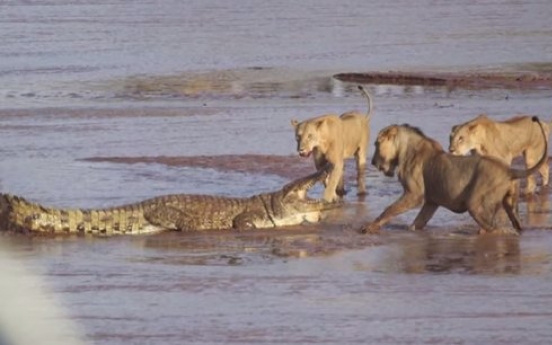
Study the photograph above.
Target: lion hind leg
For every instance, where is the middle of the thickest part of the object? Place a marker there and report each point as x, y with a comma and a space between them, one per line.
513, 196
531, 186
544, 171
425, 214
360, 158
509, 208
483, 217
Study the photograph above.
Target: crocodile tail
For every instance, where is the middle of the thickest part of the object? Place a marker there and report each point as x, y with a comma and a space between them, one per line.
21, 214
518, 173
18, 214
369, 99
5, 211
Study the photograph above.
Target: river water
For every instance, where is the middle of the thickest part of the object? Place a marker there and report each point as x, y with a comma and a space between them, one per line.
109, 102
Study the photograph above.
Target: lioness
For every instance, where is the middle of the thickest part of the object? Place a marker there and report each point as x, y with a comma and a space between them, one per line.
478, 184
503, 140
332, 139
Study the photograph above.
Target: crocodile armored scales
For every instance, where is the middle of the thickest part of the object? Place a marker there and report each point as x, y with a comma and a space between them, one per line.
185, 212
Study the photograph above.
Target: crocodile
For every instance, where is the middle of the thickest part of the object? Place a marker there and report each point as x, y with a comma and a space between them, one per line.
289, 205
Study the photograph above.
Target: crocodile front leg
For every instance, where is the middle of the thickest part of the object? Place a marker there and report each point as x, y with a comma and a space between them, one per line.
173, 218
252, 220
170, 218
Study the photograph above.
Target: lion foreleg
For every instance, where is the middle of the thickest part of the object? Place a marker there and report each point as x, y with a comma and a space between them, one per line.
425, 214
319, 160
406, 202
335, 175
340, 189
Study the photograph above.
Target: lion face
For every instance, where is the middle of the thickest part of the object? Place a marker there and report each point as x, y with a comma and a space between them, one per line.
307, 135
463, 139
386, 154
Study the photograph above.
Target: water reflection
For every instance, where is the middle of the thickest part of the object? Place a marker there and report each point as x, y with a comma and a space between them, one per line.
485, 254
256, 83
538, 209
238, 83
239, 248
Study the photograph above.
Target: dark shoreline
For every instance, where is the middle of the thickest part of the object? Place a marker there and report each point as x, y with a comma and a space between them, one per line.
454, 80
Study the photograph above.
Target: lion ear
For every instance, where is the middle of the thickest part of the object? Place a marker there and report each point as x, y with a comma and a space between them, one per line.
294, 123
392, 132
472, 128
320, 123
454, 128
482, 116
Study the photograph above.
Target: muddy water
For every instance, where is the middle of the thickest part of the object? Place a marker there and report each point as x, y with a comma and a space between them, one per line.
106, 103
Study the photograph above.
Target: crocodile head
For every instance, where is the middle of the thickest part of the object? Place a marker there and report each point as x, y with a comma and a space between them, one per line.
291, 204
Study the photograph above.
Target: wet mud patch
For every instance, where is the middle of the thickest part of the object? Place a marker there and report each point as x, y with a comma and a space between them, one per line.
285, 166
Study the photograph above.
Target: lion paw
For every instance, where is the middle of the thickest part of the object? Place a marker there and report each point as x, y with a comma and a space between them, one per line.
370, 228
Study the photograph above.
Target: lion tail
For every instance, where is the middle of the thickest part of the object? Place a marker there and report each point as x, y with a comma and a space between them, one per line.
369, 99
518, 173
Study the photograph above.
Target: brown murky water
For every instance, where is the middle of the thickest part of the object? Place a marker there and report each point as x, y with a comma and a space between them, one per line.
107, 102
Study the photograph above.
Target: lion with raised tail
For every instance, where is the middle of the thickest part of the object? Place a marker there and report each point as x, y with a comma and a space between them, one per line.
479, 185
504, 140
331, 139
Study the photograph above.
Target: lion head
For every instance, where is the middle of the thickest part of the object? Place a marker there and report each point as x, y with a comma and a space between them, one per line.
308, 135
385, 157
467, 137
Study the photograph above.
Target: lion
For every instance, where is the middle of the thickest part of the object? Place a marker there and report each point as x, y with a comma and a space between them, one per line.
504, 140
331, 139
480, 185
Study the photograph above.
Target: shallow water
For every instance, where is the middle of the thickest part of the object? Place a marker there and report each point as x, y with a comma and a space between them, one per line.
153, 82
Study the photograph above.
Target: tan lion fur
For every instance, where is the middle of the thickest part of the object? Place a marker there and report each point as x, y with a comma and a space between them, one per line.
504, 140
480, 185
332, 139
